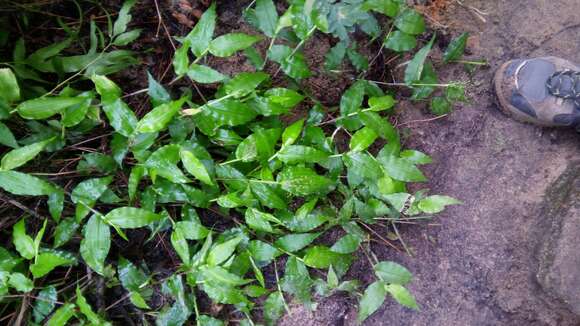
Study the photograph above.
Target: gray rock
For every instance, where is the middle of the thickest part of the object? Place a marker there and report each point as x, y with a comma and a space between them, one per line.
559, 269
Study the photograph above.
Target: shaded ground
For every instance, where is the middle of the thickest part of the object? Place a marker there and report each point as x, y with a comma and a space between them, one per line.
478, 266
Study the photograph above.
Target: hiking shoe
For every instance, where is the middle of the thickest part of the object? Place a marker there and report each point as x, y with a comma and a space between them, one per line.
543, 91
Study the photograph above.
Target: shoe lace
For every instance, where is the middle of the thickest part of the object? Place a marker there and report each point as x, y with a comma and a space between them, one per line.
565, 84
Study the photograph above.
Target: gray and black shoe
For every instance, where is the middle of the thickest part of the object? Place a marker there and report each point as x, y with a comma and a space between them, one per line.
543, 91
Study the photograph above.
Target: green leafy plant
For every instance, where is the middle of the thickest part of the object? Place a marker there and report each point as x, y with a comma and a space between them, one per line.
236, 191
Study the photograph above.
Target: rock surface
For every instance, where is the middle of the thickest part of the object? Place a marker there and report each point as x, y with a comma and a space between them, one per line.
559, 270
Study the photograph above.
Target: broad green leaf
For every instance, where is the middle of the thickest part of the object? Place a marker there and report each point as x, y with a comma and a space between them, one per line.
351, 100
293, 154
347, 244
48, 260
92, 317
96, 244
268, 17
260, 221
44, 303
23, 243
23, 184
286, 97
181, 59
334, 57
273, 307
323, 257
7, 260
131, 277
244, 83
401, 169
456, 48
163, 162
220, 275
292, 133
262, 252
440, 105
227, 112
127, 37
45, 107
158, 118
359, 61
86, 194
362, 139
414, 69
380, 103
64, 231
228, 44
201, 34
372, 299
180, 245
9, 89
123, 18
6, 137
402, 296
258, 146
266, 194
131, 217
121, 117
108, 90
296, 280
455, 93
156, 91
296, 242
415, 157
221, 252
393, 273
386, 7
410, 21
20, 282
363, 165
205, 320
62, 315
302, 181
436, 204
195, 167
192, 230
428, 77
137, 172
204, 74
400, 42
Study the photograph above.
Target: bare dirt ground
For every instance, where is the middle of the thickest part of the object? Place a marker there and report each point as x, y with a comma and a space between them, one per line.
478, 265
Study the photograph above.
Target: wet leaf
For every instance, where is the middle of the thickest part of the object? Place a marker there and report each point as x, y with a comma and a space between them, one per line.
158, 118
386, 7
302, 181
456, 48
436, 203
62, 315
200, 36
45, 107
220, 252
296, 242
293, 154
414, 69
362, 139
244, 83
96, 243
180, 245
273, 307
373, 297
9, 89
48, 260
45, 303
156, 91
393, 273
6, 137
20, 282
410, 21
92, 317
402, 296
23, 243
323, 257
228, 44
292, 133
23, 184
204, 74
131, 217
400, 42
268, 17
